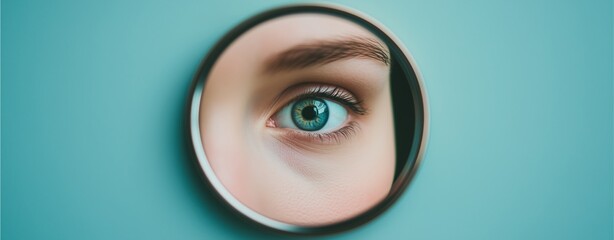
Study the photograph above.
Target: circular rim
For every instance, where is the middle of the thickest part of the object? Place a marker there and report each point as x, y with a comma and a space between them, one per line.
420, 137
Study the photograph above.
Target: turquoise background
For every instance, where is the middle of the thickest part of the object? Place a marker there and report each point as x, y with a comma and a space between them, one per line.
92, 108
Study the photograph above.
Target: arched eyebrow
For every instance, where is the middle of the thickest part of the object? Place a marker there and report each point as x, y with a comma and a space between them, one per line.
326, 51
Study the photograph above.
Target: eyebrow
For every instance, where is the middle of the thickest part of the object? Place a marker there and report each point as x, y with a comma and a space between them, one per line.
326, 51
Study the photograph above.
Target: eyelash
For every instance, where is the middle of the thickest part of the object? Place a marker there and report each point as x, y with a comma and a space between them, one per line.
341, 96
331, 137
335, 94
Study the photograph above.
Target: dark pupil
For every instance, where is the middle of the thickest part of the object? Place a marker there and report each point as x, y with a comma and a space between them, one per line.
309, 112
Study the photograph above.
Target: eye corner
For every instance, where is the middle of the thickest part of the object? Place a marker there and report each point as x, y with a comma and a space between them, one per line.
358, 108
271, 123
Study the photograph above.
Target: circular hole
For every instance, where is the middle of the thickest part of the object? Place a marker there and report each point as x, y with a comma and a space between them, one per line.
308, 119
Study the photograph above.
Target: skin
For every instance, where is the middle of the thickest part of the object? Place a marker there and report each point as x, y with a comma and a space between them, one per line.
273, 170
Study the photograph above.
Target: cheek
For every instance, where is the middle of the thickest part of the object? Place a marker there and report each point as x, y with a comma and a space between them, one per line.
314, 187
226, 155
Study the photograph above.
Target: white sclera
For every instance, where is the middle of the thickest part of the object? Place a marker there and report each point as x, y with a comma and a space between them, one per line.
337, 115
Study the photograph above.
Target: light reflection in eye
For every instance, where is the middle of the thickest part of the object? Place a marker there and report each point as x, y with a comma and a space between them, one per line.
312, 114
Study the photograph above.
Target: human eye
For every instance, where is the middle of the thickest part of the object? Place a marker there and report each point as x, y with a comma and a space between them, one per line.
319, 113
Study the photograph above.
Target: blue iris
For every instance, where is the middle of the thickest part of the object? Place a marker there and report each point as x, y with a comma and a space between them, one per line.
310, 114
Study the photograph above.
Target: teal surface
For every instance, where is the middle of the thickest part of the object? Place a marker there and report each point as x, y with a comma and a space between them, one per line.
92, 109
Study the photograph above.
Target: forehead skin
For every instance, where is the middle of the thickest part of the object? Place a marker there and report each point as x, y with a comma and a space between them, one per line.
258, 168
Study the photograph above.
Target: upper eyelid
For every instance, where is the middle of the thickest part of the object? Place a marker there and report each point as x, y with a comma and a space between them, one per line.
354, 106
332, 93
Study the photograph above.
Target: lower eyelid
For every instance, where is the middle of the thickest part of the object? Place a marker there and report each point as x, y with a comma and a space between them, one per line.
339, 136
